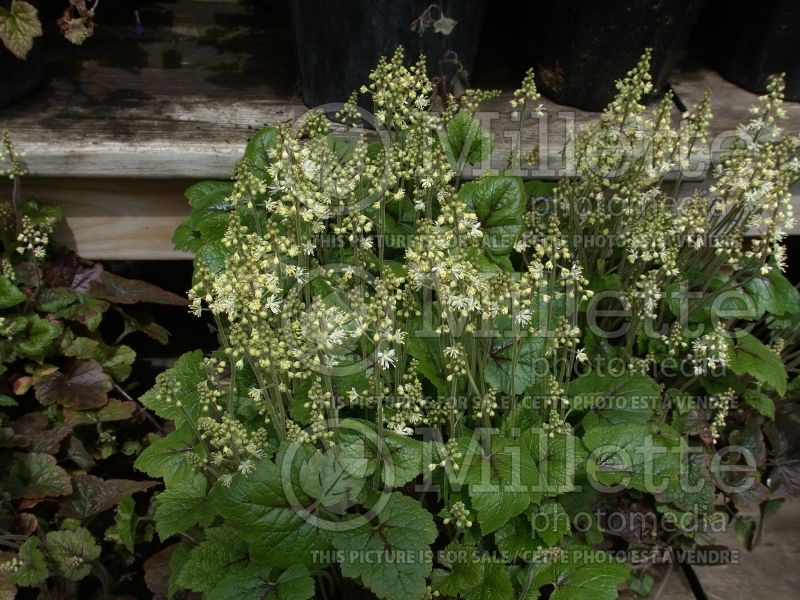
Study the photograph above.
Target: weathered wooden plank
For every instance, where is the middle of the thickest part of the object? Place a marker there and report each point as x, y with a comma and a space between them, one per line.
182, 101
157, 135
116, 218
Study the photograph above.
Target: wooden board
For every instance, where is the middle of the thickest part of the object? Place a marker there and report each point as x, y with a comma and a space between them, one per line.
116, 218
174, 131
182, 101
144, 117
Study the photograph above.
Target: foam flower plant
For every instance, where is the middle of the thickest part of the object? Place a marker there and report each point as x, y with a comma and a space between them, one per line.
68, 428
433, 387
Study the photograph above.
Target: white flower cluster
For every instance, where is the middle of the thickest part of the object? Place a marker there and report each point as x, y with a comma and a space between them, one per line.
322, 310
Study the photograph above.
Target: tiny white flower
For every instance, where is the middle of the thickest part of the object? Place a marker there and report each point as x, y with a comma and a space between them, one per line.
310, 168
400, 430
475, 229
523, 317
452, 352
398, 337
386, 359
273, 304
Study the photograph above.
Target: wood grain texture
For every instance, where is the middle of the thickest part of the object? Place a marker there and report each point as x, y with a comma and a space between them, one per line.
183, 101
130, 219
176, 132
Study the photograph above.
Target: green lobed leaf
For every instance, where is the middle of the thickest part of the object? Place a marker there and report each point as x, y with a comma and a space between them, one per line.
536, 190
10, 295
211, 256
326, 478
581, 574
72, 552
693, 489
86, 310
517, 542
500, 371
424, 345
550, 522
209, 561
258, 148
559, 458
186, 238
39, 335
463, 570
642, 586
627, 398
34, 565
182, 505
467, 142
118, 361
42, 212
167, 457
177, 557
496, 585
403, 529
257, 583
362, 451
502, 479
184, 377
281, 531
643, 457
210, 215
125, 521
209, 193
752, 357
499, 203
761, 402
774, 294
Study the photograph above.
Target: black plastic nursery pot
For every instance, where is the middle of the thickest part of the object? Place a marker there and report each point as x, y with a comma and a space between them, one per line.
580, 48
340, 42
18, 78
756, 40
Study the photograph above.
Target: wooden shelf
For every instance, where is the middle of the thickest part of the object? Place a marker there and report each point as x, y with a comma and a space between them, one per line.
122, 125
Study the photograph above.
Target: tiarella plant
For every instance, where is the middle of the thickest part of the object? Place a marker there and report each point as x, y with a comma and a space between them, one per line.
68, 429
432, 387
